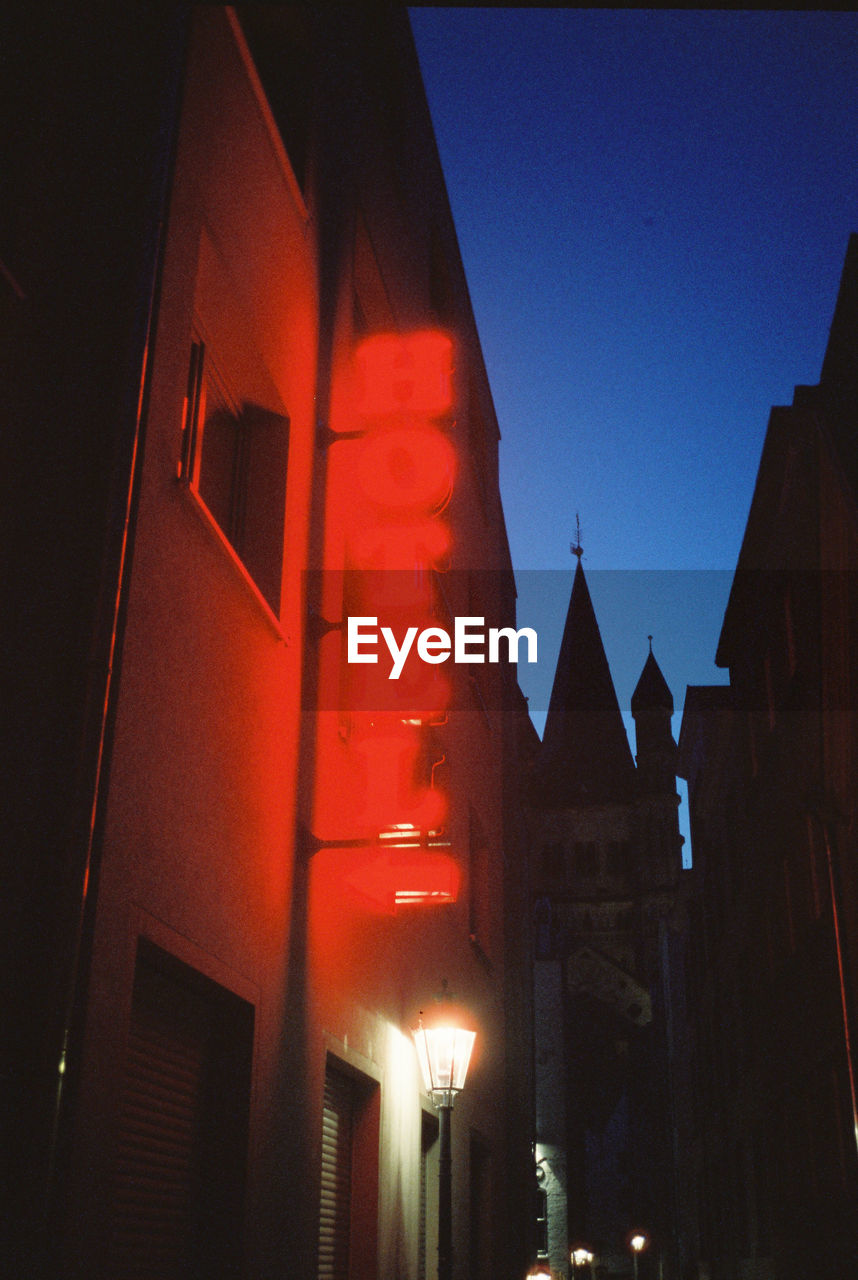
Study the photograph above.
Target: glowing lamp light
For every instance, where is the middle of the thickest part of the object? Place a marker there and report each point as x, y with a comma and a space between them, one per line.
443, 1053
444, 1050
638, 1241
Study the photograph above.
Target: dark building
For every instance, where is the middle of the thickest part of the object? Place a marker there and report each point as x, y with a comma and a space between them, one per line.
607, 864
220, 916
771, 766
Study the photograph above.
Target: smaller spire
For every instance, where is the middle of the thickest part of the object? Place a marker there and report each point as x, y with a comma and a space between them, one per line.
652, 688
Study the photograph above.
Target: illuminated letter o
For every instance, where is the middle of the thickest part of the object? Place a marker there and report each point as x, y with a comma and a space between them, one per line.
407, 469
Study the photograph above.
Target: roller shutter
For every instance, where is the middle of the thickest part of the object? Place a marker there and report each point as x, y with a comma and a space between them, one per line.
181, 1138
335, 1200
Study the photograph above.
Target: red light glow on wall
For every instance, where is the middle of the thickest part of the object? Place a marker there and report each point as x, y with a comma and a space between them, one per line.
380, 813
411, 374
384, 879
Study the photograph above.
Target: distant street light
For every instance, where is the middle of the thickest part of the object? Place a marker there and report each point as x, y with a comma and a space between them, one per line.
582, 1257
444, 1052
637, 1242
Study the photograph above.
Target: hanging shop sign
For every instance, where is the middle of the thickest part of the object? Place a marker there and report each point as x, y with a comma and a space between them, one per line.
381, 806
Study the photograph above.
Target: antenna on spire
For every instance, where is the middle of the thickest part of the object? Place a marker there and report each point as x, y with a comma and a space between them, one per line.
575, 547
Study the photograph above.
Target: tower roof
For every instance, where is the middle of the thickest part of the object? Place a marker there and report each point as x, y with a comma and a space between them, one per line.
651, 690
585, 756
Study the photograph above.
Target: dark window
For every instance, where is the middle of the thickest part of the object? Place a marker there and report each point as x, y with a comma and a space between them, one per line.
234, 456
542, 1223
181, 1144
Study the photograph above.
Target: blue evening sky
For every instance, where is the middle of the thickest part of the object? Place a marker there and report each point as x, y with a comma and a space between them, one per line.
653, 209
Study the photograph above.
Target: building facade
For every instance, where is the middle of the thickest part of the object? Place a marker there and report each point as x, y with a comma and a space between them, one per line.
607, 859
770, 763
237, 878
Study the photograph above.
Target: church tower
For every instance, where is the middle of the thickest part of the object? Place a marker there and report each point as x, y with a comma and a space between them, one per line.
652, 709
605, 864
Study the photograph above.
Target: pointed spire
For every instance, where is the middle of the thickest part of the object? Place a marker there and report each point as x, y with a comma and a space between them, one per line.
585, 756
652, 689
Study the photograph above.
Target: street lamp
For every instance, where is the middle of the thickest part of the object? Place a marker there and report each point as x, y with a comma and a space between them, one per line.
581, 1257
444, 1050
637, 1242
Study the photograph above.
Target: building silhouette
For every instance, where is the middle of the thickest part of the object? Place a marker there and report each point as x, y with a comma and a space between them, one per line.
607, 864
220, 920
771, 769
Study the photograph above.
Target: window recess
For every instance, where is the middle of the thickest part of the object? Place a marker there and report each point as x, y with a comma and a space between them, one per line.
234, 457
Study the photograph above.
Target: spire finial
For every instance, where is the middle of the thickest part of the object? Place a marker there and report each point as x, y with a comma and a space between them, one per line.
650, 643
575, 547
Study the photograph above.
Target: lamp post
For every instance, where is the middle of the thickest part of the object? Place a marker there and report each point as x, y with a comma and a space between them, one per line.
637, 1242
444, 1050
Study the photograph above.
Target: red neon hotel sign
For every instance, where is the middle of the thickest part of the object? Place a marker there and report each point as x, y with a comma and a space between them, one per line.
380, 802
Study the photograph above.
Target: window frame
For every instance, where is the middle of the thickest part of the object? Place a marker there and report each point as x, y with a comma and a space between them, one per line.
234, 538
